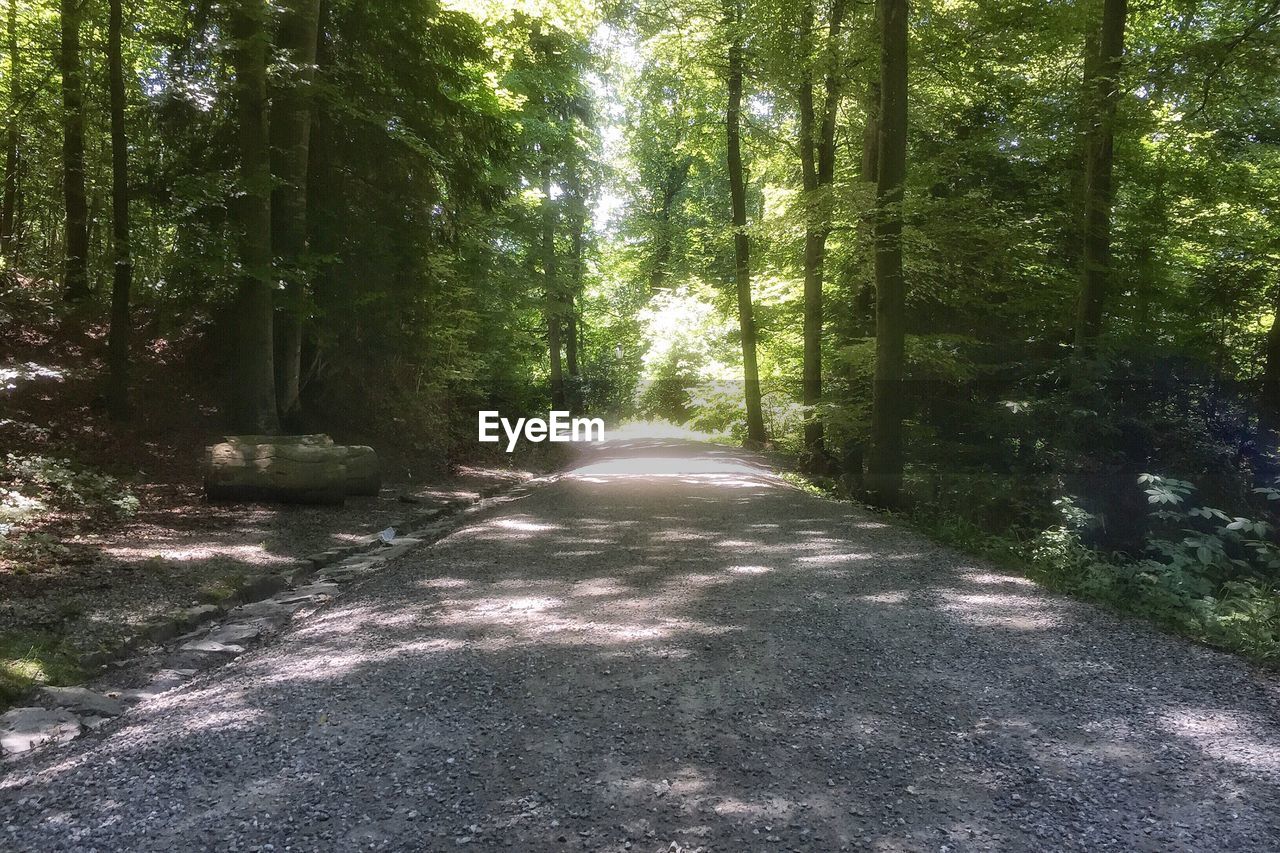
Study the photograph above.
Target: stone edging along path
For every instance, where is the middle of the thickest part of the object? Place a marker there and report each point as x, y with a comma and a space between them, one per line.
207, 636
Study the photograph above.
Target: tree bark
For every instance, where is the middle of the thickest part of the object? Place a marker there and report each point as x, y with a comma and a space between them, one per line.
1102, 91
885, 463
577, 225
8, 220
817, 157
291, 123
75, 280
255, 395
741, 245
551, 286
122, 257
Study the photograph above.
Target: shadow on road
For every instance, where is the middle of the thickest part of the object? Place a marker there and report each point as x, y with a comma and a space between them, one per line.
671, 646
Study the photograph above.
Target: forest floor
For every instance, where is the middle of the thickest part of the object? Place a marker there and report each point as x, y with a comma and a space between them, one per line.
669, 648
103, 527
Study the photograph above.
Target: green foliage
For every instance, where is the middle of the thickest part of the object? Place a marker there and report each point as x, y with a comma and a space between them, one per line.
30, 484
30, 659
1208, 574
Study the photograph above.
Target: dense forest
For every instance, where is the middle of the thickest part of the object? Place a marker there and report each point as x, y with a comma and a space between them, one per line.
1011, 270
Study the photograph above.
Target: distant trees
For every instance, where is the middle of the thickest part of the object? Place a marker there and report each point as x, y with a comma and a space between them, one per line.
345, 230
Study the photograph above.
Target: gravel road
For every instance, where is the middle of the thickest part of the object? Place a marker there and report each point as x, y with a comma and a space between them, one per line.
669, 649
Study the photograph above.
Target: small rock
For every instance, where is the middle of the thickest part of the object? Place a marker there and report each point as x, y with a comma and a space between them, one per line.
234, 633
83, 700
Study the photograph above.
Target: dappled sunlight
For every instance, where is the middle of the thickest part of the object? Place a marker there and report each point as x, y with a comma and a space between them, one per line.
836, 559
524, 526
1015, 612
1227, 735
697, 675
13, 375
885, 598
254, 554
985, 577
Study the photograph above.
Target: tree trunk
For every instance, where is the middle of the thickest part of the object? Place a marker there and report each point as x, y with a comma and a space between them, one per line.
871, 133
122, 275
8, 220
75, 281
1102, 91
884, 466
741, 246
577, 224
864, 298
255, 395
551, 286
291, 122
817, 157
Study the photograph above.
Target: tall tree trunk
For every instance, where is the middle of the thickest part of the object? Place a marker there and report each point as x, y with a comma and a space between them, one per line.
75, 281
577, 225
817, 157
8, 220
291, 123
255, 393
122, 257
864, 298
884, 465
1102, 91
551, 286
741, 246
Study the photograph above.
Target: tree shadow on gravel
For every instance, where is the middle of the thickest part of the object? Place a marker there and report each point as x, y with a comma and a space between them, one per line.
646, 654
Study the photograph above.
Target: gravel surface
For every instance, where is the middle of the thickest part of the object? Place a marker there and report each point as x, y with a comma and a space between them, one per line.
671, 649
182, 551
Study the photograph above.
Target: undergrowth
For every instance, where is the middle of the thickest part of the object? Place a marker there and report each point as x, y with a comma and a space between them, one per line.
1204, 573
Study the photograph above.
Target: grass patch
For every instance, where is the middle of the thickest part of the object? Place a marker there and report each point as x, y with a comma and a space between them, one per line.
223, 589
29, 660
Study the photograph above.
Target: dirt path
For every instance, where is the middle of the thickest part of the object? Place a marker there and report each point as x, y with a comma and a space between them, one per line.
670, 649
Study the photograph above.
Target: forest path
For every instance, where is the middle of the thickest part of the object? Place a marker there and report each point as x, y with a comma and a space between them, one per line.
671, 649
